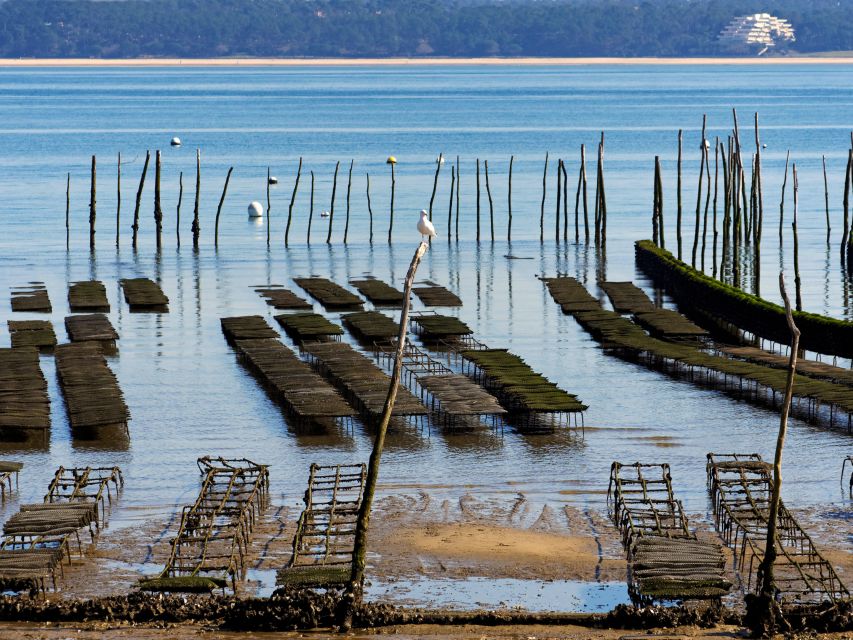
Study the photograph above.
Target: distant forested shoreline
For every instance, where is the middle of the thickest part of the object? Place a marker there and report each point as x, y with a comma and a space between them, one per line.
393, 28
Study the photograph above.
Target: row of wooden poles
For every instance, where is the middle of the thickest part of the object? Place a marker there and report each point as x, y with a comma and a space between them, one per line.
562, 180
743, 206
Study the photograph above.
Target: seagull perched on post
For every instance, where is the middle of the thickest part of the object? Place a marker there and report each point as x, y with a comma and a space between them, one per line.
425, 226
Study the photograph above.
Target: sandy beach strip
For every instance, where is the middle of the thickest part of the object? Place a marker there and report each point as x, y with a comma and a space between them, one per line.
412, 62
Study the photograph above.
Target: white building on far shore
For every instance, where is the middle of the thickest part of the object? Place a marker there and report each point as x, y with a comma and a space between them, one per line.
757, 31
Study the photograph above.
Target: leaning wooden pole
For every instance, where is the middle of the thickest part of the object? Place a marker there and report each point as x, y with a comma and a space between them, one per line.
292, 201
782, 201
310, 211
369, 207
491, 203
542, 207
332, 205
118, 198
135, 225
699, 197
767, 606
158, 211
92, 204
450, 203
349, 191
458, 183
478, 199
178, 211
196, 227
509, 201
219, 208
359, 556
848, 177
393, 188
438, 164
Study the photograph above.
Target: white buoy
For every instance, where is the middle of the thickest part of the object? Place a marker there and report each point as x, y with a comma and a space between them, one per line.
273, 180
176, 142
764, 146
440, 159
256, 210
324, 214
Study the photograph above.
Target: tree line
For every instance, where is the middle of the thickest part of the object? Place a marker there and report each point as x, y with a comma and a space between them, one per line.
387, 28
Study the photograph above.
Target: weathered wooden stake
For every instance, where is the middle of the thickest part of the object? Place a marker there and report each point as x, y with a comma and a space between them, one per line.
782, 201
393, 188
542, 207
370, 208
716, 190
678, 196
707, 202
559, 199
848, 177
92, 203
68, 211
585, 207
292, 201
178, 212
269, 206
438, 164
491, 204
310, 210
450, 203
770, 610
359, 556
758, 186
458, 182
577, 204
478, 199
509, 201
332, 205
349, 189
699, 195
797, 282
219, 208
565, 204
135, 225
602, 191
655, 229
196, 227
158, 211
660, 206
118, 197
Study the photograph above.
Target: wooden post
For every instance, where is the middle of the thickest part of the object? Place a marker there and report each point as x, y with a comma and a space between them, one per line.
782, 201
219, 208
509, 201
597, 214
577, 205
660, 207
491, 203
450, 204
478, 199
542, 207
118, 197
268, 206
349, 190
706, 150
458, 182
565, 204
178, 213
716, 190
370, 208
196, 228
655, 228
602, 192
678, 195
699, 196
797, 282
435, 183
92, 203
848, 177
135, 225
310, 210
158, 211
758, 187
292, 201
332, 206
726, 203
768, 607
826, 199
585, 208
559, 199
355, 587
68, 212
393, 187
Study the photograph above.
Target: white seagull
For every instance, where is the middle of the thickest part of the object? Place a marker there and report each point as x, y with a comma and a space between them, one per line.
425, 226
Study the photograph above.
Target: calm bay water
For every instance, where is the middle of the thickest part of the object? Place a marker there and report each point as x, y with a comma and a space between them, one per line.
187, 394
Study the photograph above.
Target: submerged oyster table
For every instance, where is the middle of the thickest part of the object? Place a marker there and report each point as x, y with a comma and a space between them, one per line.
32, 297
88, 296
24, 402
32, 333
143, 294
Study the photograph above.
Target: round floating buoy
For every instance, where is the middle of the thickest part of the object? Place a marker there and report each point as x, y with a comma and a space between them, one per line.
273, 180
440, 159
391, 160
764, 146
176, 142
256, 210
324, 214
